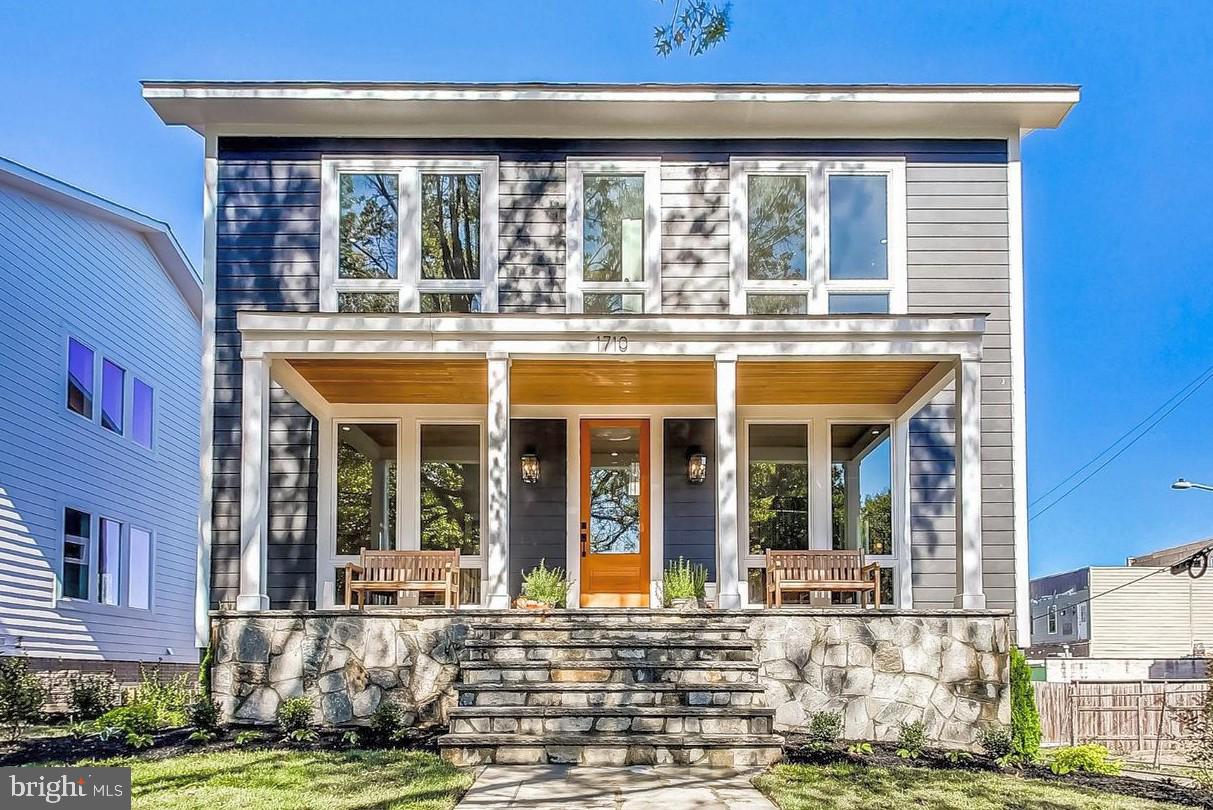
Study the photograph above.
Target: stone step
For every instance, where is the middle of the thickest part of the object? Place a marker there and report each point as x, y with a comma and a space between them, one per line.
536, 721
650, 650
575, 633
610, 694
722, 751
636, 672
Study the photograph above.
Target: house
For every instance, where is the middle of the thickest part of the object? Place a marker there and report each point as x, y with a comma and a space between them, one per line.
608, 326
1088, 624
100, 338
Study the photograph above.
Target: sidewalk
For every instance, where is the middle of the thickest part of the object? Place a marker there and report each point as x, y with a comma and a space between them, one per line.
560, 786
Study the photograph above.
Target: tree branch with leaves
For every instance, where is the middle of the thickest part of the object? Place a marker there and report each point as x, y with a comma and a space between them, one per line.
697, 25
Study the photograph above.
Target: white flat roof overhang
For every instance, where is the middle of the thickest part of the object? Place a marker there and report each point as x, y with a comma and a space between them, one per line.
608, 111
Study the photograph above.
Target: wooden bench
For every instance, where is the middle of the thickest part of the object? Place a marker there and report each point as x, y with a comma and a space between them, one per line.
820, 571
401, 571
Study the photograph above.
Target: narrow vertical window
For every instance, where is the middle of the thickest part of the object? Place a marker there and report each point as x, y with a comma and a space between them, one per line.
79, 378
113, 396
77, 532
109, 556
139, 568
859, 227
366, 487
142, 413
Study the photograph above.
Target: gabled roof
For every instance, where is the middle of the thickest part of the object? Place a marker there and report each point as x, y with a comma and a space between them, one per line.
1169, 556
159, 235
543, 110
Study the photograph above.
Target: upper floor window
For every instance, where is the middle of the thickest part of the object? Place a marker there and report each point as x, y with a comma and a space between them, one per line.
409, 235
613, 232
79, 378
113, 396
142, 416
817, 237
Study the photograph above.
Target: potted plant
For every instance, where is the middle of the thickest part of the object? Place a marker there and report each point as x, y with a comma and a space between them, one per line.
683, 584
543, 588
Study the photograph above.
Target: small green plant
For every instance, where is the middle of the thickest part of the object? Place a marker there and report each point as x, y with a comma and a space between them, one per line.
204, 671
389, 723
958, 757
109, 732
245, 738
80, 730
911, 740
860, 749
1089, 758
302, 735
683, 580
91, 696
203, 714
201, 736
824, 729
295, 714
133, 719
548, 586
996, 741
139, 741
152, 706
350, 739
21, 696
1025, 720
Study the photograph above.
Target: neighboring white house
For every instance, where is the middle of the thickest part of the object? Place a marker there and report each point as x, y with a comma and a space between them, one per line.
99, 410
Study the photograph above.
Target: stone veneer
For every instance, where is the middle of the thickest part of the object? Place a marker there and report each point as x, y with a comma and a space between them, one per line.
948, 668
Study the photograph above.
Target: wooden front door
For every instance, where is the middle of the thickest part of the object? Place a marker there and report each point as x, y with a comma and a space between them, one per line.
614, 513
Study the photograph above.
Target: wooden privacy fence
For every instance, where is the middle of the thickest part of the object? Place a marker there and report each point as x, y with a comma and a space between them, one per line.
1129, 717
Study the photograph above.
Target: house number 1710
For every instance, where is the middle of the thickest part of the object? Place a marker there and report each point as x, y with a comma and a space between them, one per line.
613, 343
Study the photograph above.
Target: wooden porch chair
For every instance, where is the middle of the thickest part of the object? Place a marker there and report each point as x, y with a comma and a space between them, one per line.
401, 571
820, 571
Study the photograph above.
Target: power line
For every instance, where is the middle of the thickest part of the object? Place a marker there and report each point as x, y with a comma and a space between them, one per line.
1208, 376
1201, 379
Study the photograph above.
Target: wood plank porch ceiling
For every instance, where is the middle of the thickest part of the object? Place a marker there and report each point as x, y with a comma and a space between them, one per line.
611, 382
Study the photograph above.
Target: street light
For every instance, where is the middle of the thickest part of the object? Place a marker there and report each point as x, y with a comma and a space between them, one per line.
1183, 483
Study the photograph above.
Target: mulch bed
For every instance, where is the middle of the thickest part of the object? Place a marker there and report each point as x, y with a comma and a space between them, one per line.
175, 742
885, 756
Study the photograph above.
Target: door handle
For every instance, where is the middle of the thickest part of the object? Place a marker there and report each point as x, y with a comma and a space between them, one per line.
585, 540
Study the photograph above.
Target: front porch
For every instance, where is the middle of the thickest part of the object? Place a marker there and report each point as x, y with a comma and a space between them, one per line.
801, 429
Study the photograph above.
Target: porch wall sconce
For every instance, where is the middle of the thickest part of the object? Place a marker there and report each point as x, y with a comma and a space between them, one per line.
530, 468
697, 467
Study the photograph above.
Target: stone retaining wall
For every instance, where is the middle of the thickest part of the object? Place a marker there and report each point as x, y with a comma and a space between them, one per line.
948, 668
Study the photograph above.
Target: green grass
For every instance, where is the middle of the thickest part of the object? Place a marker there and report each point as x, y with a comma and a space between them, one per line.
296, 780
858, 787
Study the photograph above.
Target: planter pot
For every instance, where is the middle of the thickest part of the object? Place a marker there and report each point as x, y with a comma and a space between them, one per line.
523, 603
686, 603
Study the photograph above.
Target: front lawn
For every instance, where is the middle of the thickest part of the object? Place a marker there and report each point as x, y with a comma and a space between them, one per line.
265, 779
845, 786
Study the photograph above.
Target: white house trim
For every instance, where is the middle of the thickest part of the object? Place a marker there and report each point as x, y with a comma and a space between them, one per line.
575, 286
1019, 402
206, 466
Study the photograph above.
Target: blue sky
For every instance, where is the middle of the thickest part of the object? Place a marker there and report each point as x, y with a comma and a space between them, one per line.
1117, 202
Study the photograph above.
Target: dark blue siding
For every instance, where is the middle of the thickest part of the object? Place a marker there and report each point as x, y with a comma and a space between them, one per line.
690, 509
538, 512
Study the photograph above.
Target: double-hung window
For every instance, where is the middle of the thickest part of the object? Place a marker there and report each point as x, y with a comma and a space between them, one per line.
817, 237
409, 235
613, 233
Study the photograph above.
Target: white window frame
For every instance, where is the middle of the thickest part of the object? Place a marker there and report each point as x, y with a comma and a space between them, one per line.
95, 382
817, 285
576, 287
128, 569
87, 561
121, 573
408, 284
408, 420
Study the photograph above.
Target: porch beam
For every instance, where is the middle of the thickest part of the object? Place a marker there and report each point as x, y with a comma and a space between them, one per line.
497, 536
728, 536
254, 485
969, 590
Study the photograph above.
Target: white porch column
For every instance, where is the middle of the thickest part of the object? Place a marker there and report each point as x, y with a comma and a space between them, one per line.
254, 484
969, 593
728, 537
497, 538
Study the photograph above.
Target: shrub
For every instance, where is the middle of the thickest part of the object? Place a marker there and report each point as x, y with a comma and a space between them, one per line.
683, 580
141, 718
295, 714
911, 740
1085, 759
170, 698
824, 729
389, 722
91, 696
204, 714
548, 586
996, 741
1025, 721
21, 696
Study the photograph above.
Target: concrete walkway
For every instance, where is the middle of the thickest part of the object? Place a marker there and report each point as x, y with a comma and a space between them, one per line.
640, 787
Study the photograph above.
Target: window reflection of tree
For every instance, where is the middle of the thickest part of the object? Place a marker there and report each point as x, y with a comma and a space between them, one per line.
450, 226
779, 506
777, 228
614, 511
450, 506
368, 225
609, 200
